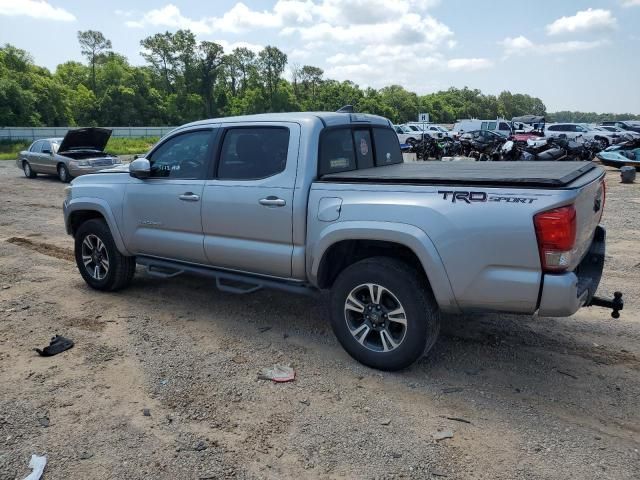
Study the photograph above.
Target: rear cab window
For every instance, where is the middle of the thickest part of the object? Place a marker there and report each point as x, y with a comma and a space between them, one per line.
344, 149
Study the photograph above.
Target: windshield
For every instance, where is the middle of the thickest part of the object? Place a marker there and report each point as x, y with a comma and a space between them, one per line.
406, 129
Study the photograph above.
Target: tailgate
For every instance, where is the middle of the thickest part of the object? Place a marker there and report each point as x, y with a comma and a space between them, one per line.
589, 205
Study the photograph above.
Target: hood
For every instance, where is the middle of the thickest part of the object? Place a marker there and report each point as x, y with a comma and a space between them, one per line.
91, 138
118, 168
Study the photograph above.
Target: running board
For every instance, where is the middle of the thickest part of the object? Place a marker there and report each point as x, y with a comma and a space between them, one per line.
226, 281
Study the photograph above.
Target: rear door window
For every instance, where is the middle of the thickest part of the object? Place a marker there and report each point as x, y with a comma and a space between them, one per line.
492, 125
337, 153
504, 126
483, 126
253, 153
387, 148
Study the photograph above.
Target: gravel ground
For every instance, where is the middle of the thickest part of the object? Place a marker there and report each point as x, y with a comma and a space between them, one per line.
520, 398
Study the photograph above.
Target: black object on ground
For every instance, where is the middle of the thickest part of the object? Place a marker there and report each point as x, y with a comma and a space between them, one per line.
58, 345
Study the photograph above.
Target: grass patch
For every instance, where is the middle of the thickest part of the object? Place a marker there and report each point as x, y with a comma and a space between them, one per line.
130, 145
9, 149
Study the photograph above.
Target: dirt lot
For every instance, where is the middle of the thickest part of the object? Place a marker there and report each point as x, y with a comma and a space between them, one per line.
525, 398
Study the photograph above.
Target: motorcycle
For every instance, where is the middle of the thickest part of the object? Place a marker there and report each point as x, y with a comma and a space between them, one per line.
429, 148
534, 151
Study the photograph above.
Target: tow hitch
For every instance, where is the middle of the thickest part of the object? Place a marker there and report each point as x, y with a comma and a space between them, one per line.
616, 304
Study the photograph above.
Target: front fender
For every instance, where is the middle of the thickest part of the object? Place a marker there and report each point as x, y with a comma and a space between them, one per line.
409, 236
95, 205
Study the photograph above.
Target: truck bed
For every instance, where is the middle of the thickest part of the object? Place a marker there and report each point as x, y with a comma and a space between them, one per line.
491, 174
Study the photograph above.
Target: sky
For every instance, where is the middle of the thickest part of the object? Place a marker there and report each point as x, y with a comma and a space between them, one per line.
573, 54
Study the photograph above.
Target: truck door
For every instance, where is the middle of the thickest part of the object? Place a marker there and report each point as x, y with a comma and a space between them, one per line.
247, 209
161, 214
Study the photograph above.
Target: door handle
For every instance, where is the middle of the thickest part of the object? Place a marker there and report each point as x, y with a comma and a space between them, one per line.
189, 197
272, 201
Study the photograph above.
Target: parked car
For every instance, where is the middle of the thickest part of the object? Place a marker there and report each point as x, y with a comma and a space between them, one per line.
527, 127
81, 151
434, 131
305, 202
500, 126
625, 134
407, 135
629, 125
573, 131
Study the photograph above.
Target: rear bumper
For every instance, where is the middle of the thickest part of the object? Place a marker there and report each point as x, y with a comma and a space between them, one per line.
564, 294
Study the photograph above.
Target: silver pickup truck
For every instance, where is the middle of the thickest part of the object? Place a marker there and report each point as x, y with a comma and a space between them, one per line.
323, 201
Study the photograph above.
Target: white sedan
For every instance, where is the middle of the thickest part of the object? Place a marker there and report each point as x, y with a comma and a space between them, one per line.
407, 135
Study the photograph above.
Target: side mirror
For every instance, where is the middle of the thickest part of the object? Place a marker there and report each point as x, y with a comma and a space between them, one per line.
140, 168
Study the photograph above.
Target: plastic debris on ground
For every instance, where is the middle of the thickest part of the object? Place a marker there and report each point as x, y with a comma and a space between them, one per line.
278, 373
442, 435
57, 345
37, 465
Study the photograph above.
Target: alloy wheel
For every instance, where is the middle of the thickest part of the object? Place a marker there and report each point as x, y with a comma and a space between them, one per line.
95, 257
375, 317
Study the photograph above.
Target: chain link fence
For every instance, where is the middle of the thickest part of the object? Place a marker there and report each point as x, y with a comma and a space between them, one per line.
28, 133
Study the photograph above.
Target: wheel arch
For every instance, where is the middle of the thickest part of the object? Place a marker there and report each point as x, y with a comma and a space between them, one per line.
345, 243
79, 211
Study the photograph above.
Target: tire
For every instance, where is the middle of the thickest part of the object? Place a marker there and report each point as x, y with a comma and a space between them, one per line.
94, 236
28, 171
63, 173
398, 286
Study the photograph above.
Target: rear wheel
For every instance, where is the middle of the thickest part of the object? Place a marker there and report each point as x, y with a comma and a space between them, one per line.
28, 171
100, 263
383, 313
63, 173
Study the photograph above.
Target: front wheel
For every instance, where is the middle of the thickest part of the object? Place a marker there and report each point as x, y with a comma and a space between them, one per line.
63, 173
28, 171
100, 263
384, 313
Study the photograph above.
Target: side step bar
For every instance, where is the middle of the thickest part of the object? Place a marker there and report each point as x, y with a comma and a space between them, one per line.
226, 281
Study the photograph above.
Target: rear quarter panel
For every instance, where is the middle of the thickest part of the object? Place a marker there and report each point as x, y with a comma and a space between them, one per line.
487, 247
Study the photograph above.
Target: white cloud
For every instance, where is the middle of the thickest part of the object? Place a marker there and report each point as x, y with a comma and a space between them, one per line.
409, 29
239, 18
520, 46
170, 16
583, 21
469, 64
631, 3
230, 46
39, 9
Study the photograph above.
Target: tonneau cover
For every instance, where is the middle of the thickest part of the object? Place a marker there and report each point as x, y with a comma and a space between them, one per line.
516, 174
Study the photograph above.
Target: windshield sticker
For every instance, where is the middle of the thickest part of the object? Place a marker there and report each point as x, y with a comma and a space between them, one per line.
339, 163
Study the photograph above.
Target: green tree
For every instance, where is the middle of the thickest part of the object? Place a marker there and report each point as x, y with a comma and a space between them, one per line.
271, 64
160, 53
92, 45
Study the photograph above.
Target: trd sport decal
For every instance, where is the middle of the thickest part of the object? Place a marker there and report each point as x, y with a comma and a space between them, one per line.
469, 197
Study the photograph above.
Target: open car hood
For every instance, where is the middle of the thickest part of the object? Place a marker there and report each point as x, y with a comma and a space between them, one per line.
91, 138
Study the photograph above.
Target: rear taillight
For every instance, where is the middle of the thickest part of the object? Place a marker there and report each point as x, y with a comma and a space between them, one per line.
556, 233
